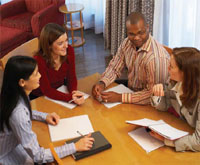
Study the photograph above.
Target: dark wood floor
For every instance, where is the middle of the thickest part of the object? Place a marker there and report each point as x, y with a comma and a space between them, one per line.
92, 57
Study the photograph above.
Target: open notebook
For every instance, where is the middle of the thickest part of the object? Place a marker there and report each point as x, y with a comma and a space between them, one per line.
146, 141
161, 128
118, 89
63, 103
67, 128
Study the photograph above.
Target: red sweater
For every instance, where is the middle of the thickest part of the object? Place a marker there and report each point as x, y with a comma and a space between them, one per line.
51, 79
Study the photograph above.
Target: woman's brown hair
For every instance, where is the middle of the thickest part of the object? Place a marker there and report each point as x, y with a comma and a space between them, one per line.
188, 61
50, 33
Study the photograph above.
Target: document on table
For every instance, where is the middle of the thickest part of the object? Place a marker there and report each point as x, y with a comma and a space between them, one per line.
67, 128
145, 140
145, 122
118, 89
63, 103
161, 128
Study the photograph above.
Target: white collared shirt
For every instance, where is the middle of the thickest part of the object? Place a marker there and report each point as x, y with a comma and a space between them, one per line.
178, 91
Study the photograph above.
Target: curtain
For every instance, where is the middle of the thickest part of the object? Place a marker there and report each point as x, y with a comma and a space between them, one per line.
177, 23
116, 13
93, 14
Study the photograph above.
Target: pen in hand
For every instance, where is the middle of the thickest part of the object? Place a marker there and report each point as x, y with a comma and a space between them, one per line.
79, 133
78, 97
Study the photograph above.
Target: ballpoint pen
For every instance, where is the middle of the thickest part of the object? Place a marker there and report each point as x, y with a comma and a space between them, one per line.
74, 99
79, 133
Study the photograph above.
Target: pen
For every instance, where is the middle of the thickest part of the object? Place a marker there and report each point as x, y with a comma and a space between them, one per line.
79, 133
71, 101
159, 98
74, 100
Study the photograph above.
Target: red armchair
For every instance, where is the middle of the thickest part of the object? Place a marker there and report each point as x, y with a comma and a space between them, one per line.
31, 15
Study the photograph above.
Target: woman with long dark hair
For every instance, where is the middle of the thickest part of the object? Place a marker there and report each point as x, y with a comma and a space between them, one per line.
183, 94
18, 143
56, 64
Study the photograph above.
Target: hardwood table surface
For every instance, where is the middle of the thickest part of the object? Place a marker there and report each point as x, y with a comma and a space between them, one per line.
111, 122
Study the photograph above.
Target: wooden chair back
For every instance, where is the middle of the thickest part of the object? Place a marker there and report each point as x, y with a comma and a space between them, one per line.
169, 50
29, 48
56, 157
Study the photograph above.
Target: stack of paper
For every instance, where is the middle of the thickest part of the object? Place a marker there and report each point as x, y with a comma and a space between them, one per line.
118, 89
65, 104
67, 128
146, 141
161, 128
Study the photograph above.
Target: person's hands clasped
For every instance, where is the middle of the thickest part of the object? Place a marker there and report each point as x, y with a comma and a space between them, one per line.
52, 118
97, 89
85, 143
111, 97
78, 97
158, 90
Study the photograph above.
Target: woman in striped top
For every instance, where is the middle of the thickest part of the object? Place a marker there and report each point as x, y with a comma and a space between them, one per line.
18, 143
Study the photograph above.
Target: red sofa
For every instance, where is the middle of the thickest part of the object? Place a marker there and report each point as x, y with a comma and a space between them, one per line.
22, 20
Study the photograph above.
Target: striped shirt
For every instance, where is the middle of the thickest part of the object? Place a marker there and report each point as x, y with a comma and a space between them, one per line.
20, 145
146, 66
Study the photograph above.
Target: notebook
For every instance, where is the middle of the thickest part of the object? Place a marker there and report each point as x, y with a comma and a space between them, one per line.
67, 128
161, 128
64, 89
100, 144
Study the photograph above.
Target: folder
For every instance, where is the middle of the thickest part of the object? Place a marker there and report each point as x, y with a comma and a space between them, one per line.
100, 144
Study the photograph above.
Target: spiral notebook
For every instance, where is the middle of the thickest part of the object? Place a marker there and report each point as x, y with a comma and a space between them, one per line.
100, 144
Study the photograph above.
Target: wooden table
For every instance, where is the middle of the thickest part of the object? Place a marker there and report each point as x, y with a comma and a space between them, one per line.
111, 122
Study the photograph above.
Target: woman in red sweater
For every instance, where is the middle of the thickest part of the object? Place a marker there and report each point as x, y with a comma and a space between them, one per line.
56, 64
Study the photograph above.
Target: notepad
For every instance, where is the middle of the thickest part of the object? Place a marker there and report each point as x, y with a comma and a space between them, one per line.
118, 89
67, 128
145, 140
100, 144
63, 103
161, 128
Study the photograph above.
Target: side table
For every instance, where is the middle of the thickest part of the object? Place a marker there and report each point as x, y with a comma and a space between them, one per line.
71, 25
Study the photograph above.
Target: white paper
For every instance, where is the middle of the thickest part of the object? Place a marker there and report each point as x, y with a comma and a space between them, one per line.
160, 127
145, 140
168, 131
118, 89
63, 103
67, 128
145, 122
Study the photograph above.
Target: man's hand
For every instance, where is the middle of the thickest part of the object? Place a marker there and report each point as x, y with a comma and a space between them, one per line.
111, 97
97, 89
52, 118
78, 97
84, 143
